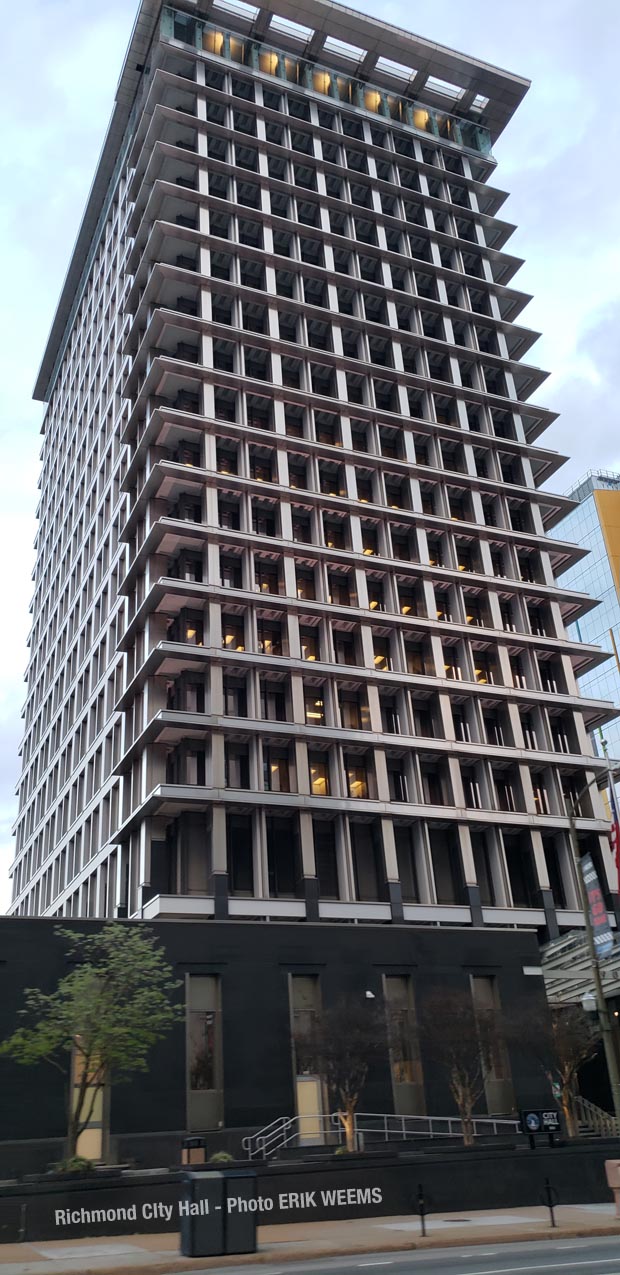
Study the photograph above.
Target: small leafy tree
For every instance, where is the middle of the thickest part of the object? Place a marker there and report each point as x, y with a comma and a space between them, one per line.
462, 1044
107, 1013
340, 1046
561, 1040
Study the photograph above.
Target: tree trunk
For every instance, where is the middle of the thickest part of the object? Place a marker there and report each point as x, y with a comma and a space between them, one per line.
72, 1136
467, 1126
466, 1106
347, 1120
568, 1110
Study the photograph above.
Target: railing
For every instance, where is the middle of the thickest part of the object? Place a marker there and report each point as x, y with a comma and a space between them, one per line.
290, 1129
404, 1127
593, 1119
319, 1130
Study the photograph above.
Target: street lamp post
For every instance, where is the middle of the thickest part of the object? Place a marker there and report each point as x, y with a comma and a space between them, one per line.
601, 1004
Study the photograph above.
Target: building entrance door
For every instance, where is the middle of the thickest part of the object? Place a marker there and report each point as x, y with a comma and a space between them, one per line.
309, 1101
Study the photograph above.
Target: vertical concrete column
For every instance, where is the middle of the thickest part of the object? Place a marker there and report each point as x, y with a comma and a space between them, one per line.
392, 875
219, 861
215, 699
544, 887
218, 760
468, 868
308, 865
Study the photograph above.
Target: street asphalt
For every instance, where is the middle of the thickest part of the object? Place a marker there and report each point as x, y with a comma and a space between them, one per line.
567, 1257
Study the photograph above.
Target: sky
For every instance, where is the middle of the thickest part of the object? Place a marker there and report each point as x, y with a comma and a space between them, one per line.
558, 157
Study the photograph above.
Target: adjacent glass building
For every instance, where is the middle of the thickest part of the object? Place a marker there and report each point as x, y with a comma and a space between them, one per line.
594, 524
298, 648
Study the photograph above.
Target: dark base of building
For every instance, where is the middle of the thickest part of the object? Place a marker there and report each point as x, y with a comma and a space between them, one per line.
254, 963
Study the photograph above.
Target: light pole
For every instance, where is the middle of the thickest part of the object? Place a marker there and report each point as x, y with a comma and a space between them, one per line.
601, 1004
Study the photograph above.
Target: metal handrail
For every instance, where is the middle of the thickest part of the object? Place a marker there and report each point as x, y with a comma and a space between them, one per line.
598, 1120
433, 1126
287, 1129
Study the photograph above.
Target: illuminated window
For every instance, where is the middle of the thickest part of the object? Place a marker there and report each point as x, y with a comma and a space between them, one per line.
319, 775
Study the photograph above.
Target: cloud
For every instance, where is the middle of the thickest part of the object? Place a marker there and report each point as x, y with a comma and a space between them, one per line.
588, 402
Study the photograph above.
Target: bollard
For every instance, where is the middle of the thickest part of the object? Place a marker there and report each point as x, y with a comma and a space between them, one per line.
550, 1199
422, 1208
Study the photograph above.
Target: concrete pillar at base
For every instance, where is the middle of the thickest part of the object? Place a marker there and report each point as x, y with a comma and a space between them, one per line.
473, 898
311, 896
220, 895
395, 898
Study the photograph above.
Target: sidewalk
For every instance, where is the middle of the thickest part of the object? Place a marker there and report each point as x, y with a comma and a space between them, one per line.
159, 1254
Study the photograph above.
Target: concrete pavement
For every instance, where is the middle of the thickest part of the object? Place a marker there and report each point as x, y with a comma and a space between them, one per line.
308, 1241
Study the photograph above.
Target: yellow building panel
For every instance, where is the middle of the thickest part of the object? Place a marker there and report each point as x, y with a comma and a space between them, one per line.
608, 509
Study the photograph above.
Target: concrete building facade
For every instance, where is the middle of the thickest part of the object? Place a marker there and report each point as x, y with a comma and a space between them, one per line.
299, 646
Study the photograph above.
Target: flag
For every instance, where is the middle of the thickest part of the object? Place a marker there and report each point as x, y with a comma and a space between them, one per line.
615, 829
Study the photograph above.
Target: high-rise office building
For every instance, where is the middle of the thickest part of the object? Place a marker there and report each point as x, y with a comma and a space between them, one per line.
298, 651
594, 524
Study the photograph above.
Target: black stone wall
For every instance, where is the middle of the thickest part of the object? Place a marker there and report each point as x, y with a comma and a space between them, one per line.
254, 960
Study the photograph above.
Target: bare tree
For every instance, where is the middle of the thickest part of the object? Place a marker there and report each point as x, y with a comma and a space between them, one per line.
340, 1046
462, 1045
561, 1040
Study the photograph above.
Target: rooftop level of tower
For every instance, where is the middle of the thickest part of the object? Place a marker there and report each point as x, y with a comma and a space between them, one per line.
331, 35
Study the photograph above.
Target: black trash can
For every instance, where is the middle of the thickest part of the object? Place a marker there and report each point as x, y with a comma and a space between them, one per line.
193, 1151
241, 1211
202, 1214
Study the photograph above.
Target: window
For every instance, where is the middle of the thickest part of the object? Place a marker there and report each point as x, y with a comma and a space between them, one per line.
305, 584
447, 866
376, 600
344, 647
230, 573
309, 644
314, 708
339, 594
204, 1037
390, 718
266, 576
541, 797
482, 851
272, 701
495, 1065
193, 631
319, 774
403, 1033
461, 727
471, 788
276, 776
325, 857
485, 670
283, 858
233, 637
397, 780
505, 793
357, 778
529, 731
305, 1000
237, 765
354, 714
240, 857
406, 859
367, 856
519, 676
382, 656
269, 635
235, 698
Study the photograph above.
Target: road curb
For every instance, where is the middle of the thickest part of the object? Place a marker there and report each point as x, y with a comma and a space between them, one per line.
176, 1265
